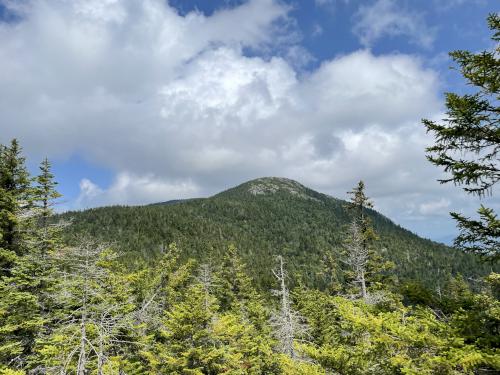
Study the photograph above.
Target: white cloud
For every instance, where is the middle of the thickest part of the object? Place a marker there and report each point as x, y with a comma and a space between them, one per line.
89, 190
387, 18
173, 105
438, 207
128, 188
443, 5
317, 30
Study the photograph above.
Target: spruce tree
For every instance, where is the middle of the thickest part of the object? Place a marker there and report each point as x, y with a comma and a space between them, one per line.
366, 266
235, 290
15, 201
20, 308
46, 194
185, 343
467, 142
95, 326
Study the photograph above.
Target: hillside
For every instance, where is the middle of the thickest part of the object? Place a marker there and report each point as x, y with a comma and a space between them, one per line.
266, 217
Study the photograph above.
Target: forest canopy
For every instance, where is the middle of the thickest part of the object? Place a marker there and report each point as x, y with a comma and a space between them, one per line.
76, 307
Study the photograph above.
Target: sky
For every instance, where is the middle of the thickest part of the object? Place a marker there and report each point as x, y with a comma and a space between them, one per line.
140, 101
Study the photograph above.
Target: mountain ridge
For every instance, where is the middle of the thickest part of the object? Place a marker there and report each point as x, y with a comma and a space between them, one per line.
265, 217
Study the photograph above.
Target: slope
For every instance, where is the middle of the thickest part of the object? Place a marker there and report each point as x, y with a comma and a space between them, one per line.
266, 217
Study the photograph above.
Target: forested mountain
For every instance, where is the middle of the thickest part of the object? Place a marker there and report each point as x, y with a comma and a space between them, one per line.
163, 289
266, 278
264, 218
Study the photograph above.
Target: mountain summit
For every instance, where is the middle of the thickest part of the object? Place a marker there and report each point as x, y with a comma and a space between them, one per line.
271, 186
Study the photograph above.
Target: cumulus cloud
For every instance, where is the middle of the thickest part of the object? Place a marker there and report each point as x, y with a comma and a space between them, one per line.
139, 189
438, 207
176, 107
387, 18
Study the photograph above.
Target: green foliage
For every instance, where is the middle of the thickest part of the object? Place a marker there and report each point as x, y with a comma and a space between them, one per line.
84, 308
351, 337
468, 142
198, 335
94, 307
14, 201
367, 269
479, 236
24, 276
265, 218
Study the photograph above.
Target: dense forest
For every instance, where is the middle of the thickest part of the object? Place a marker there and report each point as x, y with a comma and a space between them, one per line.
265, 218
77, 296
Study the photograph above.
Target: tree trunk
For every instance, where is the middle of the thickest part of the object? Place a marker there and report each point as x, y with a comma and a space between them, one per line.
82, 358
363, 284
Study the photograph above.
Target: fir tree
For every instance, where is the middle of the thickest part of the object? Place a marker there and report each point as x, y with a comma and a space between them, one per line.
45, 192
95, 315
186, 343
235, 291
21, 272
14, 203
468, 142
366, 266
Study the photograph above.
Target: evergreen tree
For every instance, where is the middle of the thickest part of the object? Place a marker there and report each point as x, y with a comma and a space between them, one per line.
95, 315
367, 267
20, 317
14, 203
468, 142
235, 290
22, 271
161, 286
186, 343
231, 281
45, 197
44, 238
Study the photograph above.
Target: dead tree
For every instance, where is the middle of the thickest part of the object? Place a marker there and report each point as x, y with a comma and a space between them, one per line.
357, 256
88, 307
287, 323
205, 279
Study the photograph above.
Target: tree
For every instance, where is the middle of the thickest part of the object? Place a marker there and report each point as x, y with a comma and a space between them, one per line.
468, 142
365, 264
22, 276
235, 290
14, 203
45, 192
357, 256
95, 312
288, 323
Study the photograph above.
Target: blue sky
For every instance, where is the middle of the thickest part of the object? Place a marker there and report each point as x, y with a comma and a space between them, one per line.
143, 101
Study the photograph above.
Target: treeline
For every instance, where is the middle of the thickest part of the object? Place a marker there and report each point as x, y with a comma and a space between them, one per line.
77, 308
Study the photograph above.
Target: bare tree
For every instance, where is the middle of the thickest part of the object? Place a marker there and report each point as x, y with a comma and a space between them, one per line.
357, 256
286, 322
92, 319
205, 279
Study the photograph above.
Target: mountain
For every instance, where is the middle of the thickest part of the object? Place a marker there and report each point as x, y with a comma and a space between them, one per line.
263, 218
